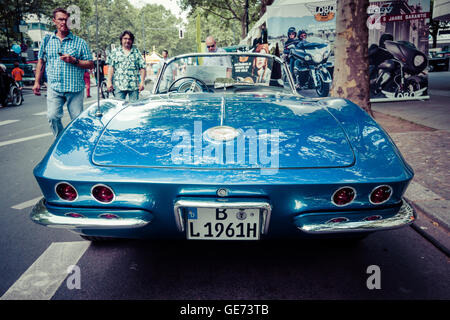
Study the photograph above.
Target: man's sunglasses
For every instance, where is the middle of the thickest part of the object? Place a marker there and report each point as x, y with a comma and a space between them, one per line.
211, 46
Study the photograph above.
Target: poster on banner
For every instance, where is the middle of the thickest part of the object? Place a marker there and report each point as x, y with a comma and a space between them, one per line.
398, 49
316, 19
249, 69
398, 40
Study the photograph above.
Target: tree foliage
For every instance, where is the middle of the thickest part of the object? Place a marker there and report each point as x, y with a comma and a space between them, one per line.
154, 26
225, 11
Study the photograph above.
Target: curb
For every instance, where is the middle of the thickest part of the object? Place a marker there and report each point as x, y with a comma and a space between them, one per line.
431, 230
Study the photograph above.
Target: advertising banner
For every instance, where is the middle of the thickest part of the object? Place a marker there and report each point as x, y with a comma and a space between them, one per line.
312, 63
398, 40
398, 49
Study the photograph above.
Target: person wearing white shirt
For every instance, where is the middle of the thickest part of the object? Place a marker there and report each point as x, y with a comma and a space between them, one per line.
215, 61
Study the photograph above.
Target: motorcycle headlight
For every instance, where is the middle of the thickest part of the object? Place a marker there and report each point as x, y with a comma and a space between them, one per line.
317, 58
418, 60
307, 58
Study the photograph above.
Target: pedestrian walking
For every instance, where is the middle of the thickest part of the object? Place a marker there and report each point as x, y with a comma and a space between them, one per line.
168, 74
65, 57
127, 66
17, 73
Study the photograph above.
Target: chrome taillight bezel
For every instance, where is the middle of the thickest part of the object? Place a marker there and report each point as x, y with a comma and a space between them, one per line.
346, 204
380, 186
106, 186
67, 183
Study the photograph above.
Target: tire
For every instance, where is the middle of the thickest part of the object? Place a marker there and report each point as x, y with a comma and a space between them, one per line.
323, 89
15, 96
104, 90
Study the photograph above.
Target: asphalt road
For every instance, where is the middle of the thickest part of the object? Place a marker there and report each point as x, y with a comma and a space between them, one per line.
409, 267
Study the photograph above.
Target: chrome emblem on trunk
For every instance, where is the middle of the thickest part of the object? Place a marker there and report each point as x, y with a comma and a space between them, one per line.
221, 133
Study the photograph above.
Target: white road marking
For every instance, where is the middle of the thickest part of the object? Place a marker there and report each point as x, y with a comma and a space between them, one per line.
5, 143
47, 273
40, 113
26, 204
7, 122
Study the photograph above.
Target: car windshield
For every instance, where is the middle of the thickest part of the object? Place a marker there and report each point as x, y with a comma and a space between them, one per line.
224, 72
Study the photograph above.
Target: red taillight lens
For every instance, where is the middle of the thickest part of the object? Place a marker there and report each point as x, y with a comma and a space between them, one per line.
373, 218
109, 216
344, 196
66, 192
338, 220
74, 215
103, 193
380, 194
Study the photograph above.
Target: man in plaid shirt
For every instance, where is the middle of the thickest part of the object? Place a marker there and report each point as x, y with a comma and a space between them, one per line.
66, 58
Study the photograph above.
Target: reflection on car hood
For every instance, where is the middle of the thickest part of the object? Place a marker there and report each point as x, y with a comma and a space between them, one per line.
271, 131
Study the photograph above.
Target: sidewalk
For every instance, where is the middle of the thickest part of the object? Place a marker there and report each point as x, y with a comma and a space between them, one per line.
421, 130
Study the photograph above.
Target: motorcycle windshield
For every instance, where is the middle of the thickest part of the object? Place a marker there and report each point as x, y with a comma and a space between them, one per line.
314, 43
407, 53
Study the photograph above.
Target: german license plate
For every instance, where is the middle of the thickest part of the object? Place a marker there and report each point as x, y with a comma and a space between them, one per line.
223, 224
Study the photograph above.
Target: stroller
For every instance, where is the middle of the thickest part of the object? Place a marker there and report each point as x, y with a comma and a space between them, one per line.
15, 96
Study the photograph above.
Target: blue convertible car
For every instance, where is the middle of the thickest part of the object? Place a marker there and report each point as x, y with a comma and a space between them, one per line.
223, 149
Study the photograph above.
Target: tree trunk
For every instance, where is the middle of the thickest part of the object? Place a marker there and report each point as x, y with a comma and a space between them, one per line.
351, 70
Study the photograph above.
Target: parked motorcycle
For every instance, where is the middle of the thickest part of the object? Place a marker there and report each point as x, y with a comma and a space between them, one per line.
399, 75
310, 65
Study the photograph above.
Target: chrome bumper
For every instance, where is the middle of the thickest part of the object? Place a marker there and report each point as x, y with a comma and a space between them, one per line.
405, 216
41, 215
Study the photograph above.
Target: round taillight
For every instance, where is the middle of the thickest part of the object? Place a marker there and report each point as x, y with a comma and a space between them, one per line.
338, 220
102, 193
380, 194
109, 216
74, 215
343, 196
66, 192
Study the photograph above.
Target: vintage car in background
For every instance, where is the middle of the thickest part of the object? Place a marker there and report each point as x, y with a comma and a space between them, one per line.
223, 149
438, 60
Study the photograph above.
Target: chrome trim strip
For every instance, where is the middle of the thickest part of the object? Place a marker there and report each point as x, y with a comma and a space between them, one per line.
199, 203
222, 111
40, 214
405, 216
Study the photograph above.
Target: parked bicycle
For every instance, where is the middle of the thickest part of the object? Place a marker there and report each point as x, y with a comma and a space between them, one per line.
15, 96
104, 90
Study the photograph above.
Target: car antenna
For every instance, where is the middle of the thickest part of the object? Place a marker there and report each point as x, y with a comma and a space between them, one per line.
98, 113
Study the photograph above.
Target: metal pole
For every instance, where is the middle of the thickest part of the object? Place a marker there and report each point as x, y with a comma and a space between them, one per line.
98, 113
246, 17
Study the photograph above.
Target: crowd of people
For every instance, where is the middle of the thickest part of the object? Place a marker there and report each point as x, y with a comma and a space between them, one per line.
66, 63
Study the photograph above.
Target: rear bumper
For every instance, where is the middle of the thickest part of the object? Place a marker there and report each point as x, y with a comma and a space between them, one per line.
132, 220
405, 216
41, 215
